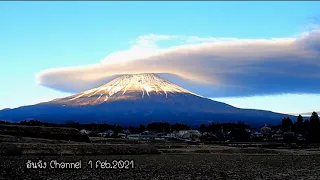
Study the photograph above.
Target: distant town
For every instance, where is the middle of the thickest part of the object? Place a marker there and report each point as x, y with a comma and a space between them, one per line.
299, 130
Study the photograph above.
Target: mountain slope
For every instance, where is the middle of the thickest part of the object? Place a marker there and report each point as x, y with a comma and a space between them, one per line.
139, 98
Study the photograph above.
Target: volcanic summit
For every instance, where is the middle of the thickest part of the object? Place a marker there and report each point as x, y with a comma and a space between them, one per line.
127, 87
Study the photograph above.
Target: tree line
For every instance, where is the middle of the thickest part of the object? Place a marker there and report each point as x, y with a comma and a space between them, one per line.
309, 128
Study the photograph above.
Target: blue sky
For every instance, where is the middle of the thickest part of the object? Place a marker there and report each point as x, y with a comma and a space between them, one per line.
36, 36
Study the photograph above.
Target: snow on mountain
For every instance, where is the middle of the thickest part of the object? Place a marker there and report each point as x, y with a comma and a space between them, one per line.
139, 98
130, 86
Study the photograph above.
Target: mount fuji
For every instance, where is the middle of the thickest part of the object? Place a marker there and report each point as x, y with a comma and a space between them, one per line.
135, 99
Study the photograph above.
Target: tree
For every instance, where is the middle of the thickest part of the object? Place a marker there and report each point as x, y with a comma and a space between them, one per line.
286, 124
300, 119
142, 128
117, 129
299, 124
178, 127
306, 125
314, 125
213, 127
24, 122
314, 119
203, 128
159, 126
132, 129
239, 133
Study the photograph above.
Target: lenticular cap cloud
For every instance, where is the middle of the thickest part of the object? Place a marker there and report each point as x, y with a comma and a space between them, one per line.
212, 67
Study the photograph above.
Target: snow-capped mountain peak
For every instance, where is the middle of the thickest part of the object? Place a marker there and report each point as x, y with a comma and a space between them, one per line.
129, 86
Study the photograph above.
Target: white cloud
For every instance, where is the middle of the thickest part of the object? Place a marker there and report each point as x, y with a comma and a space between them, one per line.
215, 67
151, 40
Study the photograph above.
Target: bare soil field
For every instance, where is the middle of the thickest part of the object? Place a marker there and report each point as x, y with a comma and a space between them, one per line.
171, 166
156, 160
74, 149
21, 139
236, 150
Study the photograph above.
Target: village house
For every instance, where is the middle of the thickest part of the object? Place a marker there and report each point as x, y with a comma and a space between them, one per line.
265, 130
107, 133
146, 135
189, 134
85, 132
